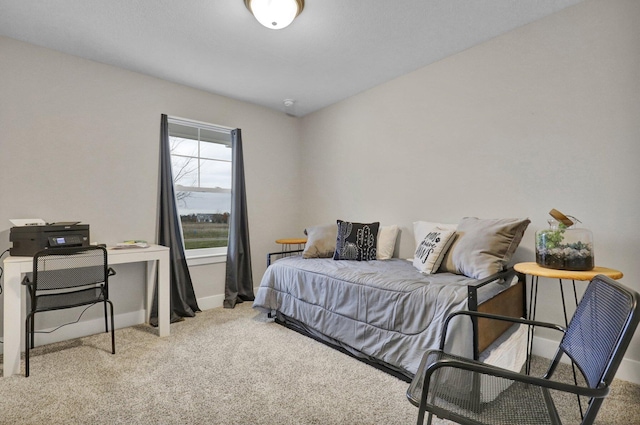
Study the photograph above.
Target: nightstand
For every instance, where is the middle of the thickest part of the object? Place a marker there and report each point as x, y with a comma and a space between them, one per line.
289, 242
287, 248
536, 271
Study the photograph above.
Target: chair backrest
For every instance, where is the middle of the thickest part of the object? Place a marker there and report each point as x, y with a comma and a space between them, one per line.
601, 329
62, 268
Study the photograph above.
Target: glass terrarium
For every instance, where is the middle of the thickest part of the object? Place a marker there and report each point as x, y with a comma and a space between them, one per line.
564, 246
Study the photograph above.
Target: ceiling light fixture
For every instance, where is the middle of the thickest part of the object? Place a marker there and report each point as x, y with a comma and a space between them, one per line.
275, 14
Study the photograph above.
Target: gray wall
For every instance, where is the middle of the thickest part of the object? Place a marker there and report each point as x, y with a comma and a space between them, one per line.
80, 140
546, 116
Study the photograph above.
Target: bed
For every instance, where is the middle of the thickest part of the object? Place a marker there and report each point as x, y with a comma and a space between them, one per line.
388, 312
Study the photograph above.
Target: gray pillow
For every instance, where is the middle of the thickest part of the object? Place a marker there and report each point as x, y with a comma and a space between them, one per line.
483, 246
321, 241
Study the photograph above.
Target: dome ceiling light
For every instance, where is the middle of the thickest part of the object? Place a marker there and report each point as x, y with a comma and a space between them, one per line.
275, 14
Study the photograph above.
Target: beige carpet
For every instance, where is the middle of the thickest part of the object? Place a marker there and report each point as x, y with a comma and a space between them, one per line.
222, 367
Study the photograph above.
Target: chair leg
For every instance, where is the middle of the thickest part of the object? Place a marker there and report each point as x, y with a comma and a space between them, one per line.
429, 418
33, 330
421, 418
27, 342
113, 329
106, 325
423, 403
421, 413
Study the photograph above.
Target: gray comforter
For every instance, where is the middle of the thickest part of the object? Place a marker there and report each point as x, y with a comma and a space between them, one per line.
381, 310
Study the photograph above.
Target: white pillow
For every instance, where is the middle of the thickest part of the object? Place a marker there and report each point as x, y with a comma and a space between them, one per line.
387, 236
431, 250
421, 228
321, 241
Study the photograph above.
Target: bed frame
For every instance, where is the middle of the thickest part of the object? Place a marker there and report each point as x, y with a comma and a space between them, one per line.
510, 302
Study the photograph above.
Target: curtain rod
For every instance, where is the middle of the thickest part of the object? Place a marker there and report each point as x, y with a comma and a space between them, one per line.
186, 121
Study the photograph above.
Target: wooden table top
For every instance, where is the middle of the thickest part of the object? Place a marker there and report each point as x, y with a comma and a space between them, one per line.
533, 269
291, 241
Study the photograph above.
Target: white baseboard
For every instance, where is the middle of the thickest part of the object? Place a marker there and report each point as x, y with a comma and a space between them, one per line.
87, 327
214, 301
629, 370
124, 320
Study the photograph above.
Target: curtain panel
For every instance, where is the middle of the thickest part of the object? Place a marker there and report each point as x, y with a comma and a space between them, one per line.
239, 278
182, 295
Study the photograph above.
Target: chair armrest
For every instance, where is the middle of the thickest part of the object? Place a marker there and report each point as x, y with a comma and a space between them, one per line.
26, 281
445, 326
514, 376
111, 272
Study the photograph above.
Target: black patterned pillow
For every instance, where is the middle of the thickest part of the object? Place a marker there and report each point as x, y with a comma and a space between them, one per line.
356, 241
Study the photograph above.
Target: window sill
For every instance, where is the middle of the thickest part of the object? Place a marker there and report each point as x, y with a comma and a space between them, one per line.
203, 259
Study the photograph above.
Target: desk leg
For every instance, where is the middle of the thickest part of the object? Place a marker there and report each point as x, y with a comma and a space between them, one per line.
164, 304
12, 319
152, 269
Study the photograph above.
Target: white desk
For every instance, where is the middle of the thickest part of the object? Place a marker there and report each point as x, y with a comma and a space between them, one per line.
156, 257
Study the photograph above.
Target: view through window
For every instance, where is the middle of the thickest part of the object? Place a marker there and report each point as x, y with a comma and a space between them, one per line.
201, 163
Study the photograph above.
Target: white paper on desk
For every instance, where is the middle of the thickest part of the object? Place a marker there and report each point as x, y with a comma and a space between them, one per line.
21, 222
127, 245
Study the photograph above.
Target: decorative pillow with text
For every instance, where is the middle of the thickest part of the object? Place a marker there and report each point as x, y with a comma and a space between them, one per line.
421, 228
432, 248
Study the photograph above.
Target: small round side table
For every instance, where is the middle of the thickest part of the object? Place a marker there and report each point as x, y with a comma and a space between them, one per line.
287, 243
536, 272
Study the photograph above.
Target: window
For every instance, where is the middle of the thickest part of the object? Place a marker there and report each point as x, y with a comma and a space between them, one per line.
201, 165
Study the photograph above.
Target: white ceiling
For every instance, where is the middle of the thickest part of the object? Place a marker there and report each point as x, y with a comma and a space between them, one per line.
333, 50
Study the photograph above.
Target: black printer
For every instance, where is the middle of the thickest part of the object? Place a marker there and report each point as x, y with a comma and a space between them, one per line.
27, 240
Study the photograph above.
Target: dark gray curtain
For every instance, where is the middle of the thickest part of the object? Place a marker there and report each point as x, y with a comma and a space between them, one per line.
183, 298
239, 279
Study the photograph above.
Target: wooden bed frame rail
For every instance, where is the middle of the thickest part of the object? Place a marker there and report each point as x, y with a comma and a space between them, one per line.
510, 302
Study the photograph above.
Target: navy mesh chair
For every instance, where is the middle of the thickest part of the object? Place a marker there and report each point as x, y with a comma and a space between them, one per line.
469, 392
66, 278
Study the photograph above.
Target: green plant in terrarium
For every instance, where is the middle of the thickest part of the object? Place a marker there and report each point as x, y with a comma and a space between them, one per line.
551, 238
563, 246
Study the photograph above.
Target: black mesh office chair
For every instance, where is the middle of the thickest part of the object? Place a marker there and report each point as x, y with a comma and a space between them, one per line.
66, 278
470, 392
